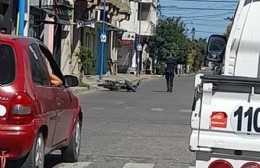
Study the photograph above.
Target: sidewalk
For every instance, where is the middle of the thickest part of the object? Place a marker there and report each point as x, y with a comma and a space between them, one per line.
93, 80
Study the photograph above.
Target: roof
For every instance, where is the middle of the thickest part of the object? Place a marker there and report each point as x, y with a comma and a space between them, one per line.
10, 38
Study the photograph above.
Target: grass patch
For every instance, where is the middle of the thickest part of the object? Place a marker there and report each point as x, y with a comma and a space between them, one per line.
84, 85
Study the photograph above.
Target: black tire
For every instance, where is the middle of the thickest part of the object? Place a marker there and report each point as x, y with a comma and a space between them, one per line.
130, 86
35, 158
117, 87
71, 152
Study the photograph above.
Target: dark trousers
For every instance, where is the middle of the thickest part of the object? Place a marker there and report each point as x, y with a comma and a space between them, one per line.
169, 81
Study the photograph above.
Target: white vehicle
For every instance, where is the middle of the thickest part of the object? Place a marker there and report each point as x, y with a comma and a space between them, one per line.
225, 117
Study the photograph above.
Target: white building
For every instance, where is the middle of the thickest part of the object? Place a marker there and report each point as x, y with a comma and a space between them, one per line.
127, 55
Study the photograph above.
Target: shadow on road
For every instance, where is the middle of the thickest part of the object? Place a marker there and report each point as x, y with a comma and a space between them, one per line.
117, 91
52, 160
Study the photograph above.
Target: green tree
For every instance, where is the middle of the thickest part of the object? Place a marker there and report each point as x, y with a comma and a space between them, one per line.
199, 50
171, 38
228, 29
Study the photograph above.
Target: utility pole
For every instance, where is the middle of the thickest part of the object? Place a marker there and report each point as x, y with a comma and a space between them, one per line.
103, 39
139, 45
21, 17
193, 33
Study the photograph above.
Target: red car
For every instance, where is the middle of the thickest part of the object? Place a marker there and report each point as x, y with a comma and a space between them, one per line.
36, 117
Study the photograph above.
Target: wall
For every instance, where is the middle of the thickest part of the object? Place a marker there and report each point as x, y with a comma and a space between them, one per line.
66, 55
132, 24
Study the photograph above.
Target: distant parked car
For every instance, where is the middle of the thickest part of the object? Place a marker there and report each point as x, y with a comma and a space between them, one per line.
36, 117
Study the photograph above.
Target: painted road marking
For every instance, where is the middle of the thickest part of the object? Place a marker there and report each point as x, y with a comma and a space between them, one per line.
156, 109
73, 165
138, 165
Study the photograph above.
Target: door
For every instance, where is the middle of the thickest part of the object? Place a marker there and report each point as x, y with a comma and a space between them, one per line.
44, 94
62, 99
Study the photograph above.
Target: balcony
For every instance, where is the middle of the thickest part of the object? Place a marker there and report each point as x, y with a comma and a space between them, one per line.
92, 3
125, 7
124, 11
154, 2
115, 3
118, 9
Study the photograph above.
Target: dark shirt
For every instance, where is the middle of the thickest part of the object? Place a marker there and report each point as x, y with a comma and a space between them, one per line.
170, 65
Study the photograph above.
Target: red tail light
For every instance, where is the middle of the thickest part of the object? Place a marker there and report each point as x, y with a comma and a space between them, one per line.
20, 109
220, 164
251, 165
218, 119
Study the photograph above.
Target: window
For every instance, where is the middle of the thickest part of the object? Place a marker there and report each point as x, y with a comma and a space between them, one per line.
38, 66
7, 64
52, 64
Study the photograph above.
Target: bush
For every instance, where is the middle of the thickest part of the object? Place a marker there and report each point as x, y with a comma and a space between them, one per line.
86, 58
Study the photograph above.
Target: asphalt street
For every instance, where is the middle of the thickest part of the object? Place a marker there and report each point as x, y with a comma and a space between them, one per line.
149, 128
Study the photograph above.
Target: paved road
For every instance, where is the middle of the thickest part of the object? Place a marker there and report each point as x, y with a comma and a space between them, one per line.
146, 129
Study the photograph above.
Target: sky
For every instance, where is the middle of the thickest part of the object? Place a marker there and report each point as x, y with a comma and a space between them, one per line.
206, 16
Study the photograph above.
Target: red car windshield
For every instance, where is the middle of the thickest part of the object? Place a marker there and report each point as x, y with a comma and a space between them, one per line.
7, 64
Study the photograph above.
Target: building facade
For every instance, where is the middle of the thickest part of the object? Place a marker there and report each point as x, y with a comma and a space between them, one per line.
51, 22
140, 27
89, 18
65, 25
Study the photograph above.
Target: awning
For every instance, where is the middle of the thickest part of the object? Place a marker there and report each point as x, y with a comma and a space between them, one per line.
66, 4
63, 22
49, 11
59, 19
110, 27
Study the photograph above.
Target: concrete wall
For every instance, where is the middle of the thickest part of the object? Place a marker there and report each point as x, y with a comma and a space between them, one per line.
132, 24
66, 53
148, 23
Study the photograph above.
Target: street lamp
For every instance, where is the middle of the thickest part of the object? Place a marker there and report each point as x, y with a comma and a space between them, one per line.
103, 39
139, 45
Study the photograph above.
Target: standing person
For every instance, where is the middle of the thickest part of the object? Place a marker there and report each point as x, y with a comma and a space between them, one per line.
169, 72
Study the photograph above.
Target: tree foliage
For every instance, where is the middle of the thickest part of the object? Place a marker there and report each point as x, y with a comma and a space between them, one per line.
198, 52
171, 39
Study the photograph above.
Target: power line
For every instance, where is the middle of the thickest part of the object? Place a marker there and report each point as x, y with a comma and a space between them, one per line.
206, 32
196, 11
198, 16
207, 1
206, 20
210, 14
198, 19
208, 25
192, 8
208, 17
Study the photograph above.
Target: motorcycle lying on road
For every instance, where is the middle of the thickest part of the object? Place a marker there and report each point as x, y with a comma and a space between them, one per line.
116, 85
